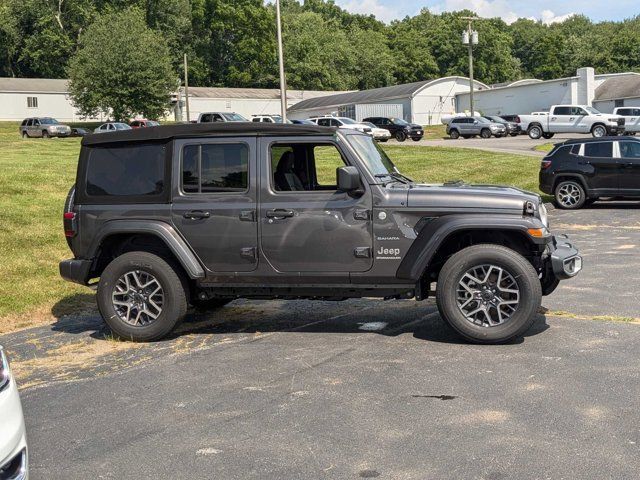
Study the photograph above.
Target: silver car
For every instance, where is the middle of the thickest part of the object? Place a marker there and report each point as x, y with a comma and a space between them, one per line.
111, 127
44, 127
467, 127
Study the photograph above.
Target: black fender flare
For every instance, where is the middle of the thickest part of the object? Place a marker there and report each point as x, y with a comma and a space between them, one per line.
435, 233
162, 230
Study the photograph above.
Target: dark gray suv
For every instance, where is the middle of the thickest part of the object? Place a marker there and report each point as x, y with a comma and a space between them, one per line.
203, 214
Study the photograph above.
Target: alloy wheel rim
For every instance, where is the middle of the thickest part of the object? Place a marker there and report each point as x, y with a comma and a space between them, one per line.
569, 195
138, 298
599, 132
488, 295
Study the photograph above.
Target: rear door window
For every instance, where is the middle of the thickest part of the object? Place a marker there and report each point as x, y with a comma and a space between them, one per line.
599, 149
211, 168
126, 171
562, 111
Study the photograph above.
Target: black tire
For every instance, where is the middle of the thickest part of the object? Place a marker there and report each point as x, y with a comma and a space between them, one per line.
548, 135
599, 130
485, 133
175, 290
569, 195
211, 303
454, 134
524, 275
25, 134
416, 139
45, 134
535, 132
401, 136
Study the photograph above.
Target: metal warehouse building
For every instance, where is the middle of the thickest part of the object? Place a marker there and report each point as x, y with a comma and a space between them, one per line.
245, 101
420, 102
603, 92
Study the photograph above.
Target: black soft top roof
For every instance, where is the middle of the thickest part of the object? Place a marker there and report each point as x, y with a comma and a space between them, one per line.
186, 130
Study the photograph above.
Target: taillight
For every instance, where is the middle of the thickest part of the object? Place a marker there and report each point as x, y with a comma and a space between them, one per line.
70, 224
517, 119
545, 164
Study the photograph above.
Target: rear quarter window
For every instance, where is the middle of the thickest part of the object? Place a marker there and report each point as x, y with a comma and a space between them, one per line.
126, 172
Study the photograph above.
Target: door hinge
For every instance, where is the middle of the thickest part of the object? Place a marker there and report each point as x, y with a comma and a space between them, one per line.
362, 252
362, 214
248, 216
249, 253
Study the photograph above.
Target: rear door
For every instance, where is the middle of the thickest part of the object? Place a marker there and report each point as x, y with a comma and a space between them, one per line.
605, 168
630, 167
214, 204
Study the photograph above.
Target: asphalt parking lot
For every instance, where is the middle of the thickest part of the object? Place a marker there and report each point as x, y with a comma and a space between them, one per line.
521, 145
356, 389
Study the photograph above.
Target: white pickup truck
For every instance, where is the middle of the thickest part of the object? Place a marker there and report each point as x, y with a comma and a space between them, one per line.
571, 119
631, 117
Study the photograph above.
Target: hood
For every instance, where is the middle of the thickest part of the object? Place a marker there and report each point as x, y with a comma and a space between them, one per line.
465, 196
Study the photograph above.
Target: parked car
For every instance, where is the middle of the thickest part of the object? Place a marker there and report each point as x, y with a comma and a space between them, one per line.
512, 128
631, 117
14, 464
44, 127
341, 122
111, 127
467, 127
79, 132
380, 134
571, 119
267, 119
143, 123
399, 128
213, 117
579, 172
297, 212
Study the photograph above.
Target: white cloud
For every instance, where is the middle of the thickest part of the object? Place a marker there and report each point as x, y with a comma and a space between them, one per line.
548, 17
497, 8
371, 7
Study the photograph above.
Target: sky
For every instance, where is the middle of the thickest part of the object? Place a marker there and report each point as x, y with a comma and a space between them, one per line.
548, 11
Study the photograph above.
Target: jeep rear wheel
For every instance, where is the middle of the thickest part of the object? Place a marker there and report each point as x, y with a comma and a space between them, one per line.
141, 296
488, 293
569, 195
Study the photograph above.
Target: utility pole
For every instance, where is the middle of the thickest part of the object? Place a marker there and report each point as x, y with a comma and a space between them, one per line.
470, 38
283, 81
186, 86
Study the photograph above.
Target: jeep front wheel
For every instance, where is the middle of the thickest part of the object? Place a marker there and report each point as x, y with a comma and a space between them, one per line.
141, 296
488, 293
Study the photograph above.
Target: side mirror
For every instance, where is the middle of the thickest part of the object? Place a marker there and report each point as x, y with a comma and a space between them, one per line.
475, 122
348, 179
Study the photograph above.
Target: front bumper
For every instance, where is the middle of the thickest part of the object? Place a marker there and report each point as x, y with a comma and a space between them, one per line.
75, 270
565, 259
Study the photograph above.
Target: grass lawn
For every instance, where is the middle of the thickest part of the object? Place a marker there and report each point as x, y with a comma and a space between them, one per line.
545, 147
35, 176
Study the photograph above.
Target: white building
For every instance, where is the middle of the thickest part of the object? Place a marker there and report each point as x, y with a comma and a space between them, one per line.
245, 101
21, 98
420, 102
603, 92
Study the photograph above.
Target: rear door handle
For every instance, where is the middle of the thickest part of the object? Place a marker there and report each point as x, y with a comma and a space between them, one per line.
280, 213
196, 215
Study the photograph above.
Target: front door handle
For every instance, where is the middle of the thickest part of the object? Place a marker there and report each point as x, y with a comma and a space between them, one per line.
280, 213
196, 215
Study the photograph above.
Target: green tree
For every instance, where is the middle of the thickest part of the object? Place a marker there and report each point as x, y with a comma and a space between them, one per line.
122, 67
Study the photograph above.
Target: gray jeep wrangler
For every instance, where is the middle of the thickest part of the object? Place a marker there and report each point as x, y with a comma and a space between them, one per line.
167, 217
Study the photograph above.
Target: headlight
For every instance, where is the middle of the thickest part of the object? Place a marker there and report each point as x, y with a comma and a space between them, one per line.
544, 215
5, 373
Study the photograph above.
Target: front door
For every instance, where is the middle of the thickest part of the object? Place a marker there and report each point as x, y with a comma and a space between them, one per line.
604, 167
561, 120
307, 225
630, 167
214, 204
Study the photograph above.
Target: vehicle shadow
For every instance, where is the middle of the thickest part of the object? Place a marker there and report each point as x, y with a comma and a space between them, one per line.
247, 318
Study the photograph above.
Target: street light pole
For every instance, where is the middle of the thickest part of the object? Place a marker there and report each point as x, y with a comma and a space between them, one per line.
470, 38
283, 81
186, 87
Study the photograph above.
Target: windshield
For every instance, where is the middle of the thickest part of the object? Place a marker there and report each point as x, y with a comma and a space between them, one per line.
152, 123
496, 119
482, 120
276, 118
370, 152
399, 121
592, 110
48, 121
234, 117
